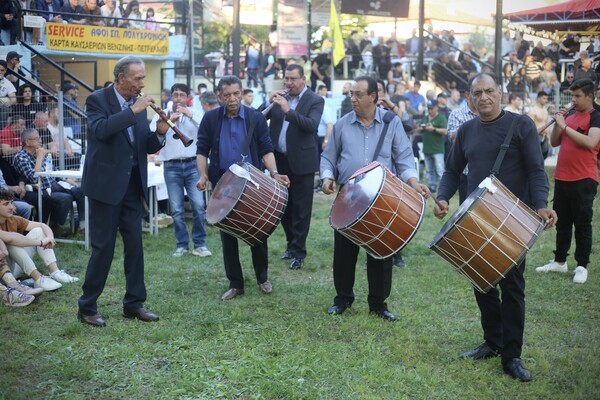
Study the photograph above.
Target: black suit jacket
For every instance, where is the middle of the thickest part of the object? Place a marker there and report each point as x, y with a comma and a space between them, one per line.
301, 134
110, 153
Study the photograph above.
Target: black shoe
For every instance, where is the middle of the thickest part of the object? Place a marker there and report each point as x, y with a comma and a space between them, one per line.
480, 353
337, 309
286, 256
385, 314
399, 261
297, 263
514, 367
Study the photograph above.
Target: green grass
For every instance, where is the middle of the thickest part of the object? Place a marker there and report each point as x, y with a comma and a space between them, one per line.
284, 346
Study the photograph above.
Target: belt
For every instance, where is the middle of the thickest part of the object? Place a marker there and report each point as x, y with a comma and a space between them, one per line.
181, 160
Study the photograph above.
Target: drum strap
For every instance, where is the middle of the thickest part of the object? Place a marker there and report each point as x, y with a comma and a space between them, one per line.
249, 135
504, 147
387, 118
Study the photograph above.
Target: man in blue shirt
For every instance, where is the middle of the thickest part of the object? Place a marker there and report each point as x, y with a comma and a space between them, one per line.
417, 101
221, 138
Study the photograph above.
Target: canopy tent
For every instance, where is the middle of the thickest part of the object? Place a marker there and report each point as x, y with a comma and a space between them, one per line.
572, 15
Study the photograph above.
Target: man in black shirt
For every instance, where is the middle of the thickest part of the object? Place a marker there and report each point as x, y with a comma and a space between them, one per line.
477, 143
320, 70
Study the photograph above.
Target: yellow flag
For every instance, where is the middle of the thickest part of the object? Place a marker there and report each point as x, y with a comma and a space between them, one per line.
336, 33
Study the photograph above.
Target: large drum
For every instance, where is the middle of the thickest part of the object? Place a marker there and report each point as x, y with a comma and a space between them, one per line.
377, 211
488, 235
246, 203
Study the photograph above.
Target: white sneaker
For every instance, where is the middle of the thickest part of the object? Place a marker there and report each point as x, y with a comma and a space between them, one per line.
201, 252
581, 274
46, 283
14, 298
553, 266
19, 287
180, 251
63, 277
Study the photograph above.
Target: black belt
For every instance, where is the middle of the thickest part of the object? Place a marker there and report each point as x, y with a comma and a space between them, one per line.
181, 160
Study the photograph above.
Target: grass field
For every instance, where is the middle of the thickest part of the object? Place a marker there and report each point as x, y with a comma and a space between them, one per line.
284, 345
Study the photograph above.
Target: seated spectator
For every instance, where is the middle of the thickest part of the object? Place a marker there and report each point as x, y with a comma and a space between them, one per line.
455, 100
19, 191
517, 86
14, 71
539, 52
9, 21
507, 73
515, 104
10, 136
42, 125
92, 11
586, 71
8, 95
62, 193
73, 13
50, 5
395, 77
468, 65
444, 75
418, 103
566, 84
109, 10
570, 46
532, 72
71, 118
548, 79
26, 105
7, 279
16, 185
151, 24
41, 242
132, 12
434, 51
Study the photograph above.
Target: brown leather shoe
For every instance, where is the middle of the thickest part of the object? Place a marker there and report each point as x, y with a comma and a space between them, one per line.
232, 294
94, 320
266, 287
141, 314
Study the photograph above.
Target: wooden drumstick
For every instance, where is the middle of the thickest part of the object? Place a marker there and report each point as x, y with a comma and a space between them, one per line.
436, 200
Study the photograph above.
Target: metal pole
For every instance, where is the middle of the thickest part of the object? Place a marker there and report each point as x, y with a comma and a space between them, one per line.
192, 71
498, 42
236, 37
61, 131
419, 74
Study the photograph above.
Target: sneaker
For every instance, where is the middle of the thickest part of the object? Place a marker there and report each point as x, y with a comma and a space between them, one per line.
581, 274
201, 251
14, 298
553, 266
19, 287
46, 283
180, 251
63, 277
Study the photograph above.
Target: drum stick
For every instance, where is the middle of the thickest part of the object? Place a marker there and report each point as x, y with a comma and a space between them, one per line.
436, 200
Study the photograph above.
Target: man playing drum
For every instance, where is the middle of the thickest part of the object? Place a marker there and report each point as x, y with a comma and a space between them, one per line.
222, 136
477, 143
351, 146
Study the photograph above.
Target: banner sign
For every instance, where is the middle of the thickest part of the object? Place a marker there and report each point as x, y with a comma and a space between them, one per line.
292, 29
381, 8
91, 39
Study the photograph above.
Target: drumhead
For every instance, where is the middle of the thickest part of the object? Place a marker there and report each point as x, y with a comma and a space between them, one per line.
224, 197
458, 215
356, 198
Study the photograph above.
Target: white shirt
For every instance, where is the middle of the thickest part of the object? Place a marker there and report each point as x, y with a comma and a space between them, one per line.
174, 148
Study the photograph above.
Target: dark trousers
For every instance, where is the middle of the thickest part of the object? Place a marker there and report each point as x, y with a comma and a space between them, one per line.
573, 203
379, 274
503, 314
231, 259
105, 221
296, 219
